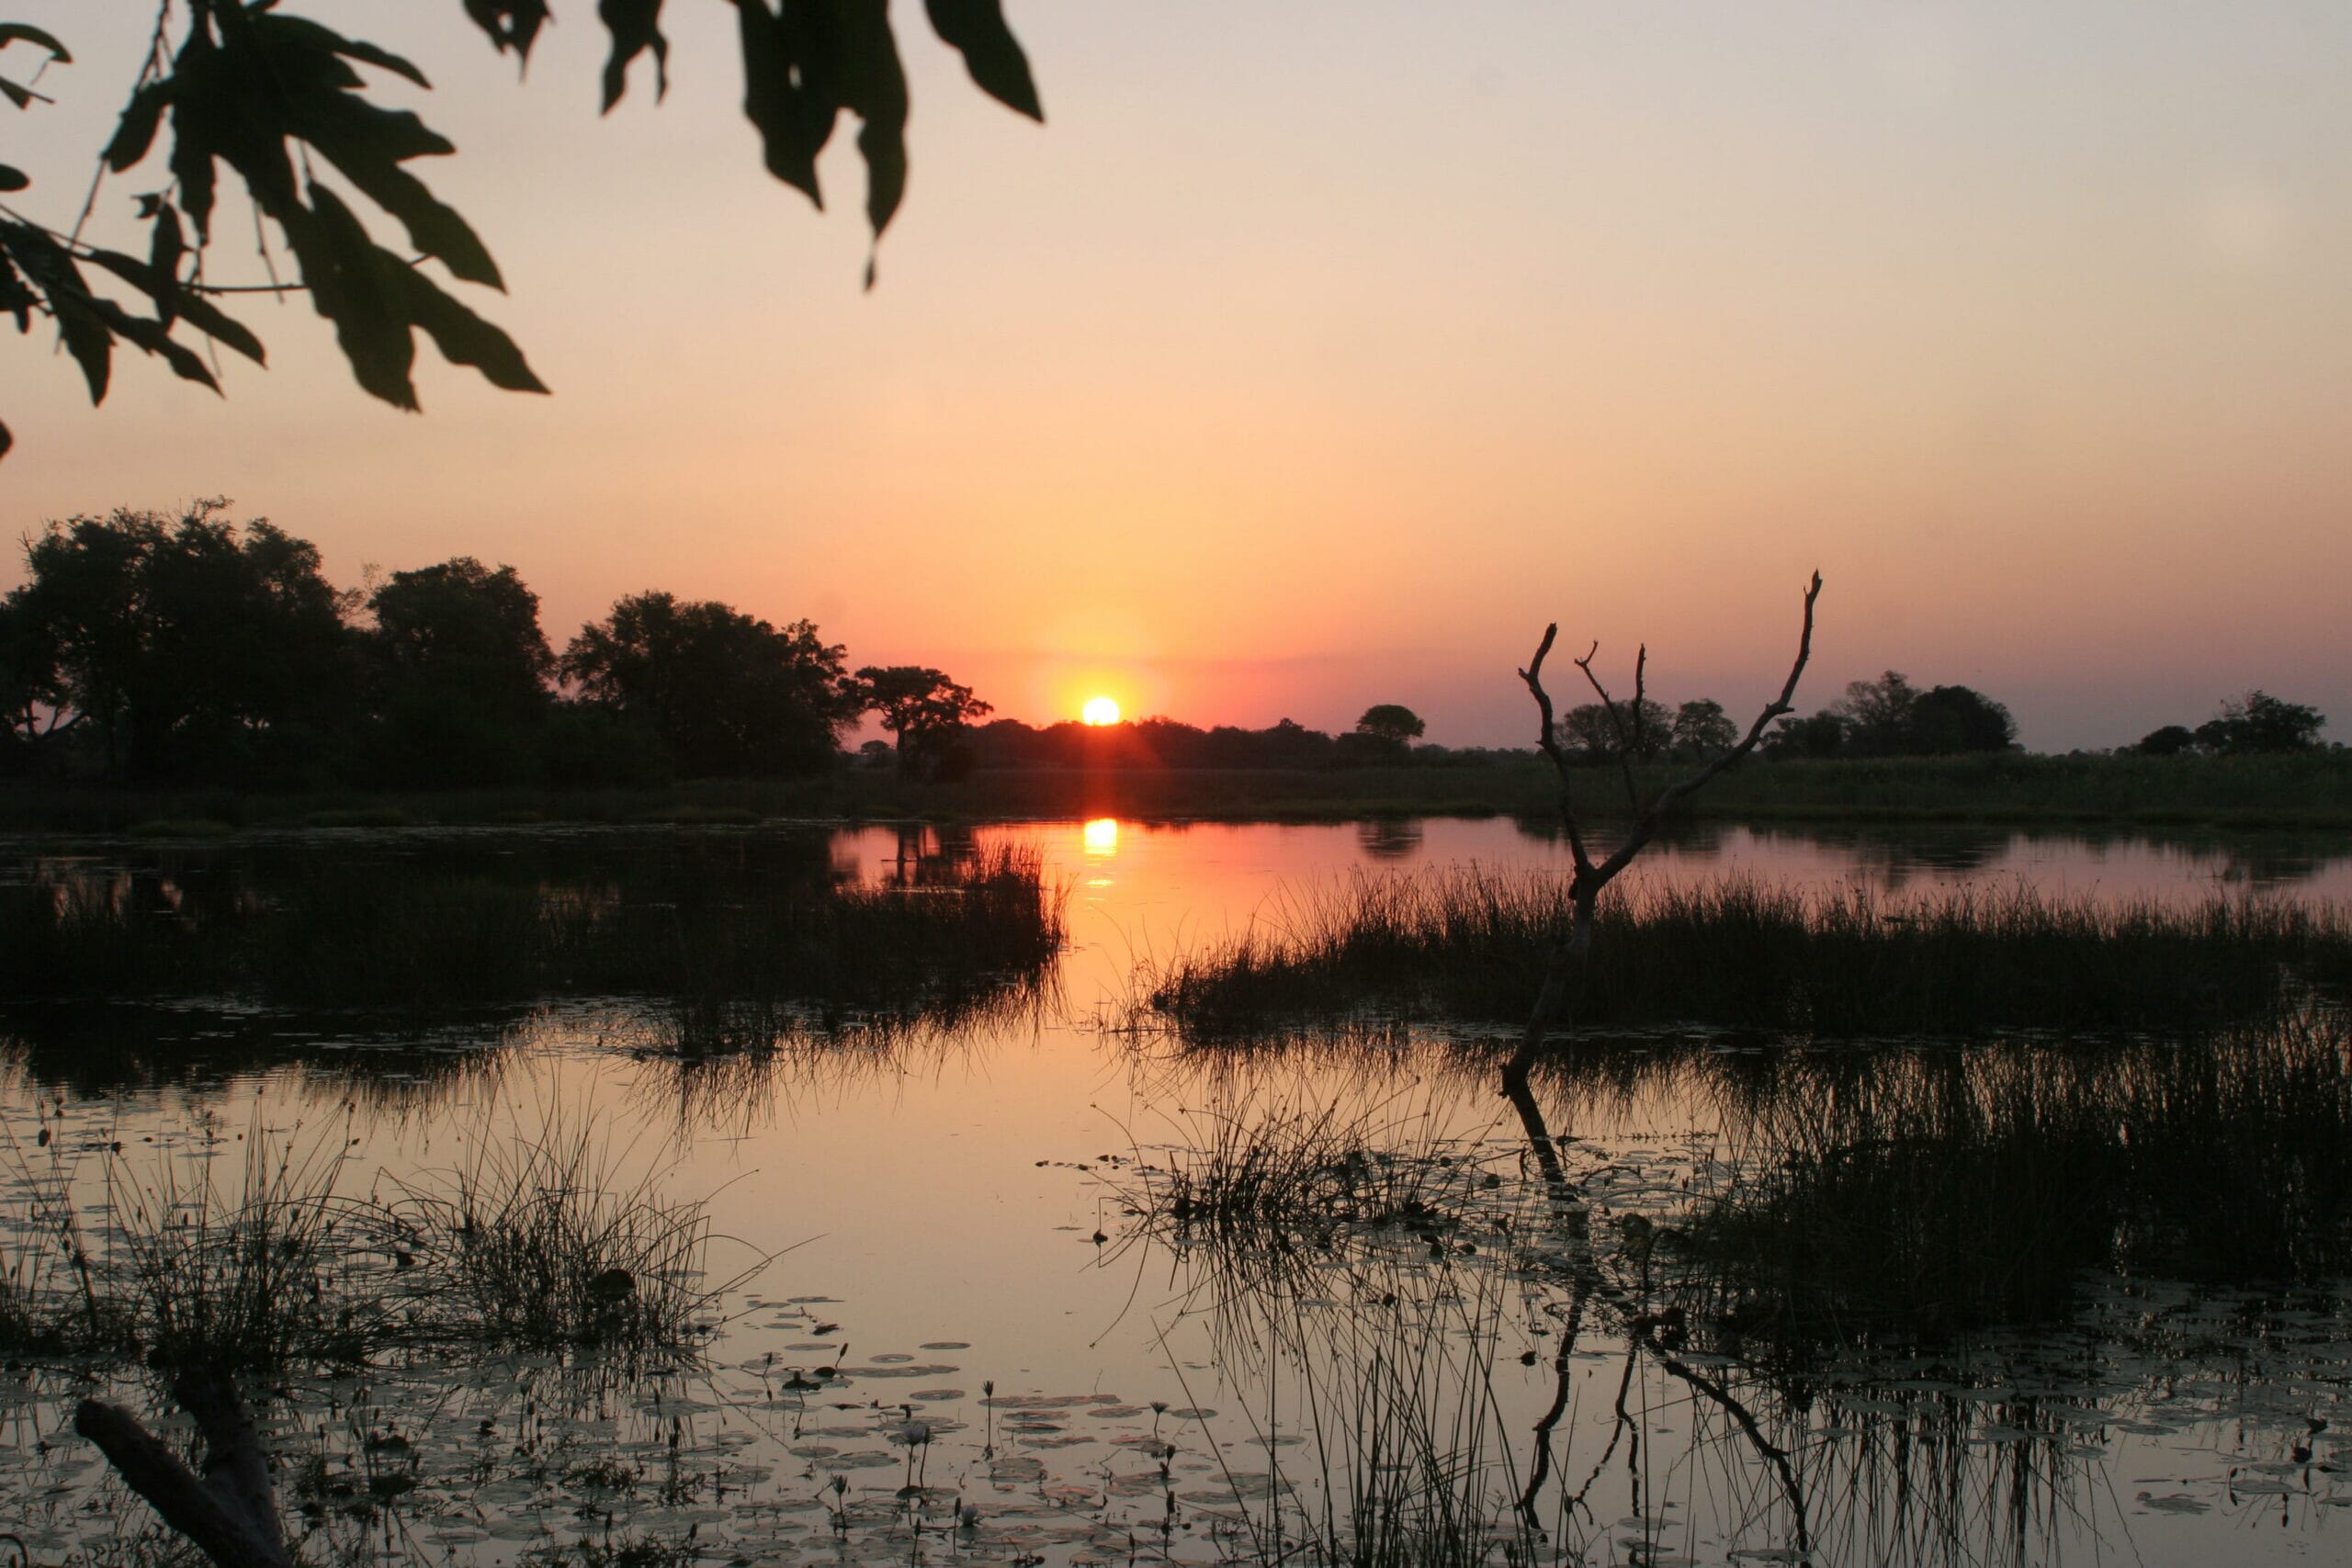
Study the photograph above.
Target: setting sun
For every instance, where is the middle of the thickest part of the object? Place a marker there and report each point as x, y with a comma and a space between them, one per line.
1100, 710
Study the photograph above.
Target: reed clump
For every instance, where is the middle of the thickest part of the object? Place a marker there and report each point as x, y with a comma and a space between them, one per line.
546, 1246
1470, 944
255, 1251
1297, 1170
1914, 1193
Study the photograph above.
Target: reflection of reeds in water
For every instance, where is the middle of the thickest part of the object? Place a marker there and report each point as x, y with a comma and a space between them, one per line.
1796, 1331
1470, 945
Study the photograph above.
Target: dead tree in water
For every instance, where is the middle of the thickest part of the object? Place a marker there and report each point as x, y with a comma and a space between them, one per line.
231, 1511
1553, 1001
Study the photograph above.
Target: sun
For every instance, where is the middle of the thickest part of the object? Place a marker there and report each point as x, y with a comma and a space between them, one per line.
1100, 710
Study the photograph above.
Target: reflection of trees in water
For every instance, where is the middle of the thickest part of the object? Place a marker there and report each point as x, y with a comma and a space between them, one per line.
1390, 838
379, 956
1896, 856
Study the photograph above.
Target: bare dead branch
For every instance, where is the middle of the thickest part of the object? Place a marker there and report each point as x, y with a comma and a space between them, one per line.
1549, 744
231, 1514
1674, 793
1627, 741
1567, 958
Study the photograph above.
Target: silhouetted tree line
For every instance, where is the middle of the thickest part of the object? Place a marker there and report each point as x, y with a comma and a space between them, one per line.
1890, 717
2257, 724
1384, 737
158, 650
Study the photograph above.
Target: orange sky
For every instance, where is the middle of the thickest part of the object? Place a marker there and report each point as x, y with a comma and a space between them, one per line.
1313, 355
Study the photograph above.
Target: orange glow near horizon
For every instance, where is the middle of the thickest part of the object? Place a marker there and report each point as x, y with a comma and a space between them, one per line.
1241, 402
1100, 838
1100, 711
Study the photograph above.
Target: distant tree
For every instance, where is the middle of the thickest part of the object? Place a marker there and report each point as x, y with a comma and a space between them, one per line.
1391, 722
1949, 720
1820, 735
1702, 729
2259, 723
1877, 714
727, 693
922, 707
194, 648
458, 669
1590, 730
2171, 740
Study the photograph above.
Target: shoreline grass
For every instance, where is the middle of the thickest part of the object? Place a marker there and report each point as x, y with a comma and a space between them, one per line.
2301, 792
1468, 945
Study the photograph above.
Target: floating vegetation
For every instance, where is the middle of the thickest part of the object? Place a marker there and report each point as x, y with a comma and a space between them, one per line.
1470, 944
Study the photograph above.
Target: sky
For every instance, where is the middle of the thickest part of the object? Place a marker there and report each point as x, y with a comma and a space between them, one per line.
1315, 355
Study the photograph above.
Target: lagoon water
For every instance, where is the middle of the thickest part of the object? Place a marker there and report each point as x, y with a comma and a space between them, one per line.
952, 1211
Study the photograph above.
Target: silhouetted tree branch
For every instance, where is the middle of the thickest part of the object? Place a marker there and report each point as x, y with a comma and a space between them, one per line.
1567, 959
230, 1512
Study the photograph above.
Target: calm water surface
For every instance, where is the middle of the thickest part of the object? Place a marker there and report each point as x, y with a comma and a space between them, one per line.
952, 1213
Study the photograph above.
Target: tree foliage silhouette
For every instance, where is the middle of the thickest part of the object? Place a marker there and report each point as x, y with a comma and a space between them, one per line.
180, 640
1393, 723
276, 99
727, 693
921, 707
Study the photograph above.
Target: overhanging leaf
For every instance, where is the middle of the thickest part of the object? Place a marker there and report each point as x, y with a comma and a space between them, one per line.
976, 28
151, 336
135, 132
25, 32
194, 309
366, 143
635, 26
511, 24
301, 32
773, 99
164, 248
12, 178
874, 84
465, 338
352, 284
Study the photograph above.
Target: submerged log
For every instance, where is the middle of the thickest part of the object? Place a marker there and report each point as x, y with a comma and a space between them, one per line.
231, 1511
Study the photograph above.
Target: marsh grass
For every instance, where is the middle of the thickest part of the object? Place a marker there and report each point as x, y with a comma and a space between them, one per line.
1262, 1173
253, 1250
547, 1243
273, 1267
1470, 944
1905, 1194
